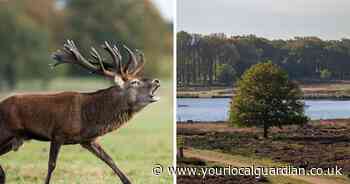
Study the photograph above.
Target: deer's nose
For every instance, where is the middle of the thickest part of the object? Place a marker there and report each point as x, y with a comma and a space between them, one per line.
156, 81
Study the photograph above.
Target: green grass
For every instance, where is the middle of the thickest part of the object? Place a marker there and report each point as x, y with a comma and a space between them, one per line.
136, 147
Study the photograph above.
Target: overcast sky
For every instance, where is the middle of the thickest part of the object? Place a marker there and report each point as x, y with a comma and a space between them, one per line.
166, 8
327, 19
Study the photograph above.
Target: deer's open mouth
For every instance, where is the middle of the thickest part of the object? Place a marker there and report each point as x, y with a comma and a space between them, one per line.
154, 98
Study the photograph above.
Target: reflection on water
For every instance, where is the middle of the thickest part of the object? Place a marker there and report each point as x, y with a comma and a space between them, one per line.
216, 109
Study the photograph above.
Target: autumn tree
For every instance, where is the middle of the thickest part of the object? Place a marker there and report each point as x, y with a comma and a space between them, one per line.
265, 97
136, 23
23, 49
32, 29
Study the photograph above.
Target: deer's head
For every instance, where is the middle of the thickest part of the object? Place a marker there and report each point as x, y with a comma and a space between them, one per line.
137, 90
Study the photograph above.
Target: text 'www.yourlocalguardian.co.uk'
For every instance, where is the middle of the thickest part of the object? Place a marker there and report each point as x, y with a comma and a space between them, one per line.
288, 170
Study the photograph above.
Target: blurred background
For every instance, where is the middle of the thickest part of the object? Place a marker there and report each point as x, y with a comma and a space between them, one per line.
31, 30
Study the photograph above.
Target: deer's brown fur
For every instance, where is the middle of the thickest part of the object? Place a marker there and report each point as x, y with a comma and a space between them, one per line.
73, 117
67, 117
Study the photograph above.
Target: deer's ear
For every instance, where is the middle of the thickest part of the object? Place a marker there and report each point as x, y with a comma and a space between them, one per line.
119, 81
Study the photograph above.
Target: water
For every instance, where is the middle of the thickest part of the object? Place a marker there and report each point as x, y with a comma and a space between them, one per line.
216, 109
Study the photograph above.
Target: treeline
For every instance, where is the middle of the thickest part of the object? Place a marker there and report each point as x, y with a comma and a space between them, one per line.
217, 59
31, 30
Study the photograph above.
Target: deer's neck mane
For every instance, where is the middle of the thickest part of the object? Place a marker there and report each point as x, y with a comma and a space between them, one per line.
105, 110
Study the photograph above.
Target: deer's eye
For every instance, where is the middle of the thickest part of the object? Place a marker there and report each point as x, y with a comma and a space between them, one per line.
135, 82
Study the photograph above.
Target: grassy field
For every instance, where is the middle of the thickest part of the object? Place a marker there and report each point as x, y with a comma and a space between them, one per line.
136, 147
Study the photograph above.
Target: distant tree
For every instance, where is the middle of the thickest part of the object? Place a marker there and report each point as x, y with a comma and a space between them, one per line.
24, 48
303, 58
325, 74
183, 45
132, 22
265, 97
31, 30
226, 74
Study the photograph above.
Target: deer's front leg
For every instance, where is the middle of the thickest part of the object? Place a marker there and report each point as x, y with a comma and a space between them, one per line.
54, 149
98, 151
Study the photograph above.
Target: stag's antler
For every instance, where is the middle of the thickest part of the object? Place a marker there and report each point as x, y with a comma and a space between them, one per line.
71, 55
134, 67
116, 56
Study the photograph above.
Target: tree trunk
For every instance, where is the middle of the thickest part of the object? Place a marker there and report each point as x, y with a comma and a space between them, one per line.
210, 72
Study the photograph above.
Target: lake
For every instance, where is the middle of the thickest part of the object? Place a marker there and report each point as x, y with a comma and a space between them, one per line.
216, 109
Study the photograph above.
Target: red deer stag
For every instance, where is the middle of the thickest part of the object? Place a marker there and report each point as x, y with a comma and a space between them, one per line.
78, 118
